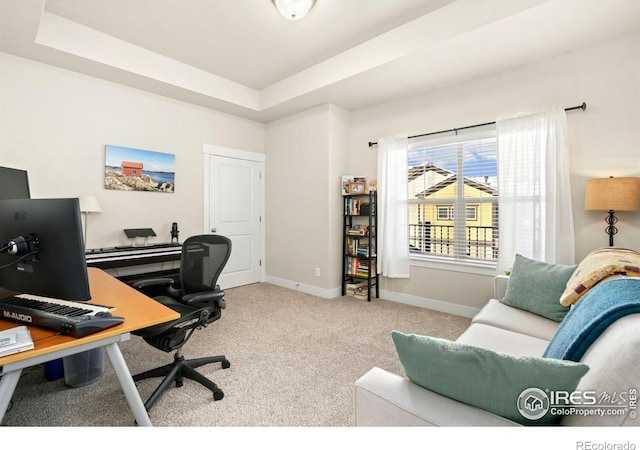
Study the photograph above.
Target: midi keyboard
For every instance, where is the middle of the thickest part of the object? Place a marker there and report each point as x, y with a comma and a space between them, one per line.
73, 318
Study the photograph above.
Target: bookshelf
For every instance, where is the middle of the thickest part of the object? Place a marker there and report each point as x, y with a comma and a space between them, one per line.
359, 243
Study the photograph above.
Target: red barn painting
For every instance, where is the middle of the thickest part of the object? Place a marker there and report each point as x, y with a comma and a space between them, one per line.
132, 169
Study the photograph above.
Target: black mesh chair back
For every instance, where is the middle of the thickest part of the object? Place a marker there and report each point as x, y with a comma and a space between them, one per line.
203, 259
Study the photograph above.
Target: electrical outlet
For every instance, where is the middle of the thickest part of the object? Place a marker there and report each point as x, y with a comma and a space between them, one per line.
317, 271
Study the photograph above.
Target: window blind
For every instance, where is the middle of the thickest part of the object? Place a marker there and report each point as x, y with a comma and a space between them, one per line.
453, 193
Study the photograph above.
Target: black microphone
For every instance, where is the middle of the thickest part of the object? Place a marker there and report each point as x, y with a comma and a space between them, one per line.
174, 232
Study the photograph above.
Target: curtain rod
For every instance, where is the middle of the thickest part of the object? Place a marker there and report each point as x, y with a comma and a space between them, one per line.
371, 144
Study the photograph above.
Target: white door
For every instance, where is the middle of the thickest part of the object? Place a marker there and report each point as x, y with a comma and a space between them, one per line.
235, 210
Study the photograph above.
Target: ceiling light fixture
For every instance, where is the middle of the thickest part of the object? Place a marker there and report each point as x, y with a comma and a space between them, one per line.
294, 9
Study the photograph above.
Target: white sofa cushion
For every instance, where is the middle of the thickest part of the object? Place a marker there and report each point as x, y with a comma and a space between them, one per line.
500, 315
503, 341
386, 399
613, 369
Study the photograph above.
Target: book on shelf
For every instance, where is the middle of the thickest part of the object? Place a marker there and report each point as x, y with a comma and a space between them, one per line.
354, 207
358, 230
365, 209
362, 292
357, 248
353, 287
358, 290
357, 267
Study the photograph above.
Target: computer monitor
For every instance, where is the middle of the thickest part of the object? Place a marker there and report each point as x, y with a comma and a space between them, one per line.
41, 248
14, 183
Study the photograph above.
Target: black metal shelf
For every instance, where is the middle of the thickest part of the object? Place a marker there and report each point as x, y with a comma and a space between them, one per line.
356, 202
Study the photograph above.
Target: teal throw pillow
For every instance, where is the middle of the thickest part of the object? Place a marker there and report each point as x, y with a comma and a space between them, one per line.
537, 286
510, 387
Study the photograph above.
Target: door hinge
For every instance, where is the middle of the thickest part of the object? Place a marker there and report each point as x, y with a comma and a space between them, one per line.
260, 263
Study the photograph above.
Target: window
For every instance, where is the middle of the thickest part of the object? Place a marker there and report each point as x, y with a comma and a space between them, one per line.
453, 198
472, 213
445, 212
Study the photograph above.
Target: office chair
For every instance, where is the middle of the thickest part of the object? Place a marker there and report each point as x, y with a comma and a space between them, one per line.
199, 300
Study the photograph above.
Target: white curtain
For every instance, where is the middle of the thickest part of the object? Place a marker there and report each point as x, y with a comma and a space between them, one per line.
535, 210
393, 218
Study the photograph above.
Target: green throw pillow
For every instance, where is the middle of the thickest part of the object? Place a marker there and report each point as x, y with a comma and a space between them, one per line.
514, 388
537, 286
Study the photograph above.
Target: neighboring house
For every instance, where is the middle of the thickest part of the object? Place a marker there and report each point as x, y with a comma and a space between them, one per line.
132, 169
432, 221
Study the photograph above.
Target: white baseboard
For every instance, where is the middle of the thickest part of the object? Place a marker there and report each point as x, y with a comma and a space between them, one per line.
306, 288
436, 305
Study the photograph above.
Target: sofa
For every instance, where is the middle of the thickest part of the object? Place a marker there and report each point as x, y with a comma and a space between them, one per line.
610, 384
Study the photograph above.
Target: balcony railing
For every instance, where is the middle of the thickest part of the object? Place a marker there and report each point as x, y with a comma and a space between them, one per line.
480, 243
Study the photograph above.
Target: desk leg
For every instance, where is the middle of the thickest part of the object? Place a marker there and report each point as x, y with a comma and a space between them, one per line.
128, 386
8, 384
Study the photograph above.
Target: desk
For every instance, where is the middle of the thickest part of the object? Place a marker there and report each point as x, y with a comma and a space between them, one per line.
139, 312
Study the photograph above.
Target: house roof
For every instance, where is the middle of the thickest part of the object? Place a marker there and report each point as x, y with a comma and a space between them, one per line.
417, 171
134, 165
452, 179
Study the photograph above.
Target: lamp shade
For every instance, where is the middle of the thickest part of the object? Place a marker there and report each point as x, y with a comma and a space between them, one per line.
294, 9
89, 204
612, 194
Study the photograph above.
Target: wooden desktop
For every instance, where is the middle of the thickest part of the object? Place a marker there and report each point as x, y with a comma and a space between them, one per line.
139, 312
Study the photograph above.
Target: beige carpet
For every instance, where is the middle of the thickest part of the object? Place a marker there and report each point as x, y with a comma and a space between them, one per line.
294, 360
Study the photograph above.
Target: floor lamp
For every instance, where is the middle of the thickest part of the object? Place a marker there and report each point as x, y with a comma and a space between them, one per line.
88, 204
612, 195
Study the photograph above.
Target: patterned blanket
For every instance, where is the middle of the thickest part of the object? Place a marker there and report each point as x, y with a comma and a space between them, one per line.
597, 266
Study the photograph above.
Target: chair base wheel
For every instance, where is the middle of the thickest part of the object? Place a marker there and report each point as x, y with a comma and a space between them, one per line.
226, 364
219, 395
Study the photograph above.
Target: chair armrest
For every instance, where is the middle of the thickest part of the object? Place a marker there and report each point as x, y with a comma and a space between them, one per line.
152, 282
386, 399
204, 299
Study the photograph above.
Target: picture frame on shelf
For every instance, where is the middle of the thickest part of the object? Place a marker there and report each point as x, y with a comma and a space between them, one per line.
347, 179
357, 188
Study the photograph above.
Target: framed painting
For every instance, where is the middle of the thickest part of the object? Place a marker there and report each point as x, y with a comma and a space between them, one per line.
132, 169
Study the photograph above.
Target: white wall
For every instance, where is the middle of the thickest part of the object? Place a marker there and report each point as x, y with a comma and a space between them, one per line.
339, 131
296, 203
55, 123
604, 141
306, 155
